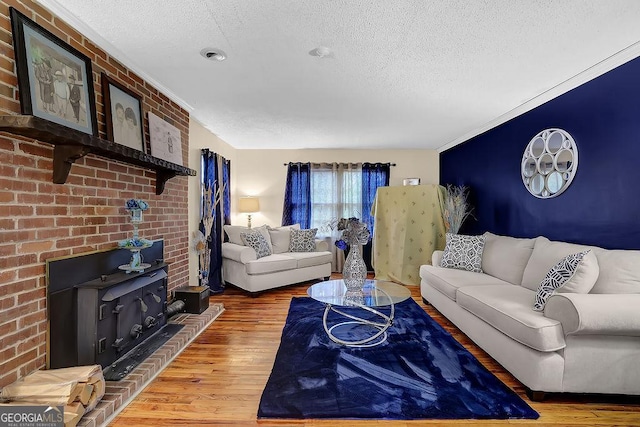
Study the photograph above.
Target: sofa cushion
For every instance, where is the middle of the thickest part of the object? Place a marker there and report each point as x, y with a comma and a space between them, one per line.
303, 240
508, 309
619, 272
271, 264
545, 255
448, 280
255, 240
308, 259
506, 257
233, 232
463, 252
575, 273
281, 237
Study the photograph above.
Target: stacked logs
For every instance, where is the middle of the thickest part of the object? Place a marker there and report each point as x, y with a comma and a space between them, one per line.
78, 389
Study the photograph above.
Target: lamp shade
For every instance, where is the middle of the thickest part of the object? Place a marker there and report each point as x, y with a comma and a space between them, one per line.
248, 204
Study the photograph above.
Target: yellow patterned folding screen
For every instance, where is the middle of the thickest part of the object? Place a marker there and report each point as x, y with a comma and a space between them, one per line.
408, 228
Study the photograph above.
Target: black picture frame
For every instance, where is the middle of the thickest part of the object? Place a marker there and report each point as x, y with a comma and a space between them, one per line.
55, 80
125, 107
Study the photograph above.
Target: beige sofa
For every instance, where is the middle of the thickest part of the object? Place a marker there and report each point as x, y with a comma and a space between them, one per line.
242, 267
581, 343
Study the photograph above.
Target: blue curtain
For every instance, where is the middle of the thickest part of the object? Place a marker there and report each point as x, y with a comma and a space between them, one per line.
213, 178
226, 196
297, 195
374, 175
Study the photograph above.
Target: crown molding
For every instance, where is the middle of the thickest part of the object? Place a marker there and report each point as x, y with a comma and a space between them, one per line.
95, 38
608, 64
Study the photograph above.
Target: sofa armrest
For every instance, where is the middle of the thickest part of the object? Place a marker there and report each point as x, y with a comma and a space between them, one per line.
321, 245
595, 314
436, 258
242, 254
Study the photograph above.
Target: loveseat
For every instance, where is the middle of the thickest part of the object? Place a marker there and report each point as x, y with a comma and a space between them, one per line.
256, 268
584, 341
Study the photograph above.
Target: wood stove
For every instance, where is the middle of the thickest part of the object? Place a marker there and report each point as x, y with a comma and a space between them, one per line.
117, 313
97, 313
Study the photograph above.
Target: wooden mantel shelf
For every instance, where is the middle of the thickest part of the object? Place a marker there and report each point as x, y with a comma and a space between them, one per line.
71, 145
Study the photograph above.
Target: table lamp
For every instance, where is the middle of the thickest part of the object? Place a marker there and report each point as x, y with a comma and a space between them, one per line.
249, 205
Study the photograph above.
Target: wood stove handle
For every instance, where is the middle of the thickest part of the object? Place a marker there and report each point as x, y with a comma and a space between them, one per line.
135, 332
155, 297
149, 322
143, 306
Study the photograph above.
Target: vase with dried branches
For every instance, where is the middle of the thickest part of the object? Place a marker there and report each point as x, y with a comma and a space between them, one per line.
456, 207
201, 239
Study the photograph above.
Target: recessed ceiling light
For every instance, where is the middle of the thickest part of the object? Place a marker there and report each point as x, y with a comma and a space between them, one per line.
321, 52
213, 54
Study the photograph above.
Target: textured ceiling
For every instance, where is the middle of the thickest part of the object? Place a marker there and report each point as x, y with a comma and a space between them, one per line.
402, 74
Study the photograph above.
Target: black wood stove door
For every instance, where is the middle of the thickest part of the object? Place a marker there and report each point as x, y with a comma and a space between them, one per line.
128, 327
154, 297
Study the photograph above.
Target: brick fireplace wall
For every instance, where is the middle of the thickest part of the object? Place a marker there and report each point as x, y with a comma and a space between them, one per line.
40, 220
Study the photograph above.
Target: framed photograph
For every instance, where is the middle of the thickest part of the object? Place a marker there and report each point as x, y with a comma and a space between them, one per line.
123, 114
165, 140
411, 181
55, 80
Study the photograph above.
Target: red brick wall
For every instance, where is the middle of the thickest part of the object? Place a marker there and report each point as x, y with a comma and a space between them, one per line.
40, 220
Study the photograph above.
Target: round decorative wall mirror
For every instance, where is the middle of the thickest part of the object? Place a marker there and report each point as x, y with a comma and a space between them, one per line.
549, 163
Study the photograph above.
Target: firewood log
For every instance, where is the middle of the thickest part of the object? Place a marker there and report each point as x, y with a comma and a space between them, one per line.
80, 388
85, 395
73, 412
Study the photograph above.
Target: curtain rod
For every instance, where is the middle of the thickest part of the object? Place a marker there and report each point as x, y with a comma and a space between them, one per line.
390, 164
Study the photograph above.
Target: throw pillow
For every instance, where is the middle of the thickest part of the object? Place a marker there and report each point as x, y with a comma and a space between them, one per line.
574, 272
585, 277
256, 240
303, 240
463, 252
233, 231
281, 237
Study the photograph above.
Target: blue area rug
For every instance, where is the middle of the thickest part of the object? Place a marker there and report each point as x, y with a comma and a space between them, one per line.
419, 372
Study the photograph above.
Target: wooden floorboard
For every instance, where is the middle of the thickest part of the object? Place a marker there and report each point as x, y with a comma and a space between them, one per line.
219, 378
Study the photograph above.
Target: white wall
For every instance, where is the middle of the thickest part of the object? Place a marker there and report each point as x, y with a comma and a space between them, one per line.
262, 173
199, 138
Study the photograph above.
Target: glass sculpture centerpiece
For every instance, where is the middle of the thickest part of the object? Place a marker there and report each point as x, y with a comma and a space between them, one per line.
354, 234
135, 244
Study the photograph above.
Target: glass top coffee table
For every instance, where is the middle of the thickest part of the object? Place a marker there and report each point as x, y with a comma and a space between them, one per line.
373, 295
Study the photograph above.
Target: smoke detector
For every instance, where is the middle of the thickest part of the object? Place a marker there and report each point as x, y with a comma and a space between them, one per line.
321, 52
213, 54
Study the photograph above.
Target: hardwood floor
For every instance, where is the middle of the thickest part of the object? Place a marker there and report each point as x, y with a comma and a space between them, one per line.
219, 379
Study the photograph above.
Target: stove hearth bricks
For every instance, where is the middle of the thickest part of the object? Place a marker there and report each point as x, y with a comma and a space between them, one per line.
40, 220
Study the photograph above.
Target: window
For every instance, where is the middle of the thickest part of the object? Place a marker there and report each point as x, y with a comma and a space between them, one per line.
319, 194
336, 192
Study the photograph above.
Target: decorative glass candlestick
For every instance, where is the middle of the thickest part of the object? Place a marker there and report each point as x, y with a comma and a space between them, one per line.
135, 244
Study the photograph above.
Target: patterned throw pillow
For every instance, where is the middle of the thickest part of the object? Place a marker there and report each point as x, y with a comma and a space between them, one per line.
561, 275
463, 252
256, 240
303, 240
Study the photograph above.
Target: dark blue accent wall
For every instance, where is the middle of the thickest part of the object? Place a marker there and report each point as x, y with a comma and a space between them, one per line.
602, 205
